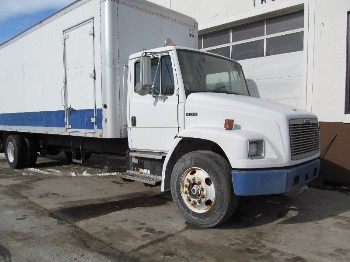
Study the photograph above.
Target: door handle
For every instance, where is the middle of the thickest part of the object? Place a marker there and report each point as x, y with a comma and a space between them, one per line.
133, 121
70, 108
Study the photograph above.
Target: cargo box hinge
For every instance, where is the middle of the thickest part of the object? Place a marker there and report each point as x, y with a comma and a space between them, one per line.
93, 74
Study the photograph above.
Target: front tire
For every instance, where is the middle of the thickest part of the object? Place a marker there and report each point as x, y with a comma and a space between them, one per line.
202, 190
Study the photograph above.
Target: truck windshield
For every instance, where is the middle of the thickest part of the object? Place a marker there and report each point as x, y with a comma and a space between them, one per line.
208, 73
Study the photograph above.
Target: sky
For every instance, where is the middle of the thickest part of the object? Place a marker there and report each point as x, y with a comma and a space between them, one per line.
18, 15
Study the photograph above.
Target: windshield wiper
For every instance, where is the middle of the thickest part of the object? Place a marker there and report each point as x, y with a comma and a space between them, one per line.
225, 92
212, 91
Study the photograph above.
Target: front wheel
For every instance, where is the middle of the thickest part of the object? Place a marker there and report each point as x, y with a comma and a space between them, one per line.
202, 189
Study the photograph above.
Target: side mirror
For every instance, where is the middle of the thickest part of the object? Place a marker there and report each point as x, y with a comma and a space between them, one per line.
145, 71
144, 87
142, 90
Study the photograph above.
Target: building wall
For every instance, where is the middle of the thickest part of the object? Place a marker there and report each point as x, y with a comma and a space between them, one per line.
330, 58
209, 13
316, 79
275, 77
322, 66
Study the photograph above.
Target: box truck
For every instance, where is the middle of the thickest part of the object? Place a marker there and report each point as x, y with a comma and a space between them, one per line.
95, 78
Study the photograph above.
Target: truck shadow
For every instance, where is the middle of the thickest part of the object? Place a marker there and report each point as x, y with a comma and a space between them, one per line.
87, 210
315, 205
312, 206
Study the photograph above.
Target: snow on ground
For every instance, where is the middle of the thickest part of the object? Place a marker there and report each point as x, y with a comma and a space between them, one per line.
108, 174
54, 172
35, 170
2, 155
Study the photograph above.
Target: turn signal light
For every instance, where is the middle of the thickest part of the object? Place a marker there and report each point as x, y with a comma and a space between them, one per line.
229, 124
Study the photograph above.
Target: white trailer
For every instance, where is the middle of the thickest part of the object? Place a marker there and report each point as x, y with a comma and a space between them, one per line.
86, 81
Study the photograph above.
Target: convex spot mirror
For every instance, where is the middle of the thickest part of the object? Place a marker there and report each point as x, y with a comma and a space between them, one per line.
145, 86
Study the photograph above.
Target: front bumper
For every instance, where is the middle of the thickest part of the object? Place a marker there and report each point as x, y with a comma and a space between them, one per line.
274, 181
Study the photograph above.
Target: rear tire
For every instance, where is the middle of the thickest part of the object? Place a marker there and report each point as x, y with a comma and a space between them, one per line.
202, 190
31, 155
15, 151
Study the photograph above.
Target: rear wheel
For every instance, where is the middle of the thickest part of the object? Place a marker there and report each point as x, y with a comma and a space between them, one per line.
202, 189
31, 156
15, 151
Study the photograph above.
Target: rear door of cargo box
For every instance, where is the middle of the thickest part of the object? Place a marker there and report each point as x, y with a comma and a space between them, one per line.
80, 77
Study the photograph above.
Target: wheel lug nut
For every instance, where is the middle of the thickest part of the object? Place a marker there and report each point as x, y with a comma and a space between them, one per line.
202, 196
199, 182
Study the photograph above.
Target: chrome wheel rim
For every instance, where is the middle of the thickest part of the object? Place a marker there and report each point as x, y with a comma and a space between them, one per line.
10, 152
197, 190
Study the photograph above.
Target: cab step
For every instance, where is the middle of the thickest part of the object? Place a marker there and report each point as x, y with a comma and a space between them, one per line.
142, 177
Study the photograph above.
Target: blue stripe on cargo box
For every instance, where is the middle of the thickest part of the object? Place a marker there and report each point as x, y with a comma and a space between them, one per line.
79, 119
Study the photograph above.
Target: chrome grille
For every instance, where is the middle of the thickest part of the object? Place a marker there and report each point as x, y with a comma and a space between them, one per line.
304, 138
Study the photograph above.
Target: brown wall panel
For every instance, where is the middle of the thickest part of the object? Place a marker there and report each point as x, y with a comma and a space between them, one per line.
335, 152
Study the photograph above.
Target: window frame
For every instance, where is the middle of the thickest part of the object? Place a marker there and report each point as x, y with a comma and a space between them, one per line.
160, 67
265, 37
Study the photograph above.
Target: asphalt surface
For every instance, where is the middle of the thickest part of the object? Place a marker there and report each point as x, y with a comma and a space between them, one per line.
63, 212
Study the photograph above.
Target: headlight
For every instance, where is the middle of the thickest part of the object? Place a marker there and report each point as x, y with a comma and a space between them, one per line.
256, 149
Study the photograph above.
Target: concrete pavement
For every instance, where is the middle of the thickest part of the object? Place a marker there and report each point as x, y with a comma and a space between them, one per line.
63, 212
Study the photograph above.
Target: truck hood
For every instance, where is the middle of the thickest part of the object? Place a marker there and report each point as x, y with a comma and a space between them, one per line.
212, 108
254, 118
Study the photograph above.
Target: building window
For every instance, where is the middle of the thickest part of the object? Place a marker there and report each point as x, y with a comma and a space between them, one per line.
224, 51
284, 44
285, 23
248, 50
347, 105
248, 31
217, 38
273, 36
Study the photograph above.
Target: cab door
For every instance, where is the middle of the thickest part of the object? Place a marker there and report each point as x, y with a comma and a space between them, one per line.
153, 118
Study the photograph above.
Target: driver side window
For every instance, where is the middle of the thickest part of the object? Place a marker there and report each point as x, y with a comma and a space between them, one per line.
162, 75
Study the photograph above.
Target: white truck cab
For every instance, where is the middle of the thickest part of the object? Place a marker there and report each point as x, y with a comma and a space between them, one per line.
191, 112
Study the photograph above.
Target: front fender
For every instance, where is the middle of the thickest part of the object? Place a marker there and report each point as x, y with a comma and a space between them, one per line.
234, 143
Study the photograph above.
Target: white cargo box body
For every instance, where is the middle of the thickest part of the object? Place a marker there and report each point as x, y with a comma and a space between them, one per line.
66, 74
